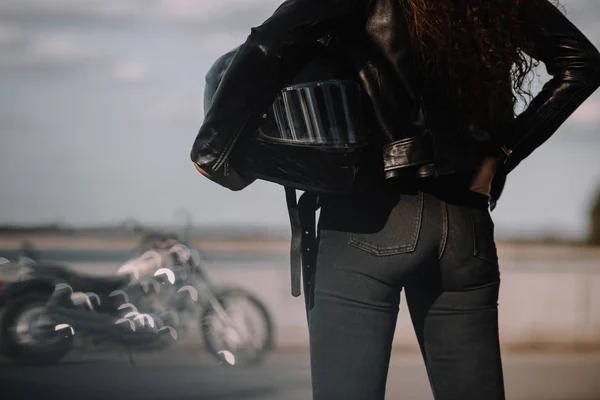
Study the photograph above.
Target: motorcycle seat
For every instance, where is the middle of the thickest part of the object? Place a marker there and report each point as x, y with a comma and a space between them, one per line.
98, 284
81, 282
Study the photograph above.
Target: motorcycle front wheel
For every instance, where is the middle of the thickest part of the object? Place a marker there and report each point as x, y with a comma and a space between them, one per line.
29, 336
239, 330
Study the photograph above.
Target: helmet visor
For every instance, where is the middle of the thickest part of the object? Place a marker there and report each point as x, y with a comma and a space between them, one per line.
326, 113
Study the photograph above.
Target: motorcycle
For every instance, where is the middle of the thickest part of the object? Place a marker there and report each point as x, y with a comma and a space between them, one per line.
151, 302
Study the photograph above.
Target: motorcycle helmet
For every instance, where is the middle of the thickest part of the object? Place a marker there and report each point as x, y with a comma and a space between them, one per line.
313, 136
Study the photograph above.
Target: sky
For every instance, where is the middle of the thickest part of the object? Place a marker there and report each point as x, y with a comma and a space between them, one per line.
102, 99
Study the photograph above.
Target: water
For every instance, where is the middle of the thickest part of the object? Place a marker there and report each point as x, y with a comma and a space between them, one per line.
121, 256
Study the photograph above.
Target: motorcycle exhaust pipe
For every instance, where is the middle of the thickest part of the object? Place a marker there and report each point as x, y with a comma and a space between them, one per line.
106, 326
82, 319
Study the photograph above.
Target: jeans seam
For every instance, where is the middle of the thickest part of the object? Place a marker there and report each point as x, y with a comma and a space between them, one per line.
477, 287
476, 252
357, 303
444, 229
473, 233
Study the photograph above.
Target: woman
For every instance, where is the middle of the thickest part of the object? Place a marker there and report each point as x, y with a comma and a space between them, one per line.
435, 70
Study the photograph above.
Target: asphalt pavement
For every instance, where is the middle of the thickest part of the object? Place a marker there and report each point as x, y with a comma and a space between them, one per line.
194, 375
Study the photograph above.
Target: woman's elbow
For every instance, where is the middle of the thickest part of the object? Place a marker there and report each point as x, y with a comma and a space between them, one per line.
589, 66
594, 67
268, 44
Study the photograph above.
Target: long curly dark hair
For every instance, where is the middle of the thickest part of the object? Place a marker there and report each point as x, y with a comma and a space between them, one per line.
474, 48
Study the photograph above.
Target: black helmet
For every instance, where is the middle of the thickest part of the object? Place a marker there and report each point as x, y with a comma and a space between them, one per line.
312, 137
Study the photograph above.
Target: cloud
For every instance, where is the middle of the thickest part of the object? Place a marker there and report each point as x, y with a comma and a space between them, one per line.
46, 50
177, 108
165, 10
585, 14
57, 47
221, 42
208, 9
131, 71
10, 34
69, 7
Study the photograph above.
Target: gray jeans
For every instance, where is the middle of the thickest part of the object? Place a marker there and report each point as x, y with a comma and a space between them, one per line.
442, 253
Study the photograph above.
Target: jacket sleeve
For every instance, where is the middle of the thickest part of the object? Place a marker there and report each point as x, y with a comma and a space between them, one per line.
252, 80
574, 64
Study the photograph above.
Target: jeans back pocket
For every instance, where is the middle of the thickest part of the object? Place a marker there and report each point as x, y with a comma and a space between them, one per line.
398, 234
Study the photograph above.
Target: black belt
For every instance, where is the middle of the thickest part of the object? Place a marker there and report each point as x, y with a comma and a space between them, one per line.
304, 240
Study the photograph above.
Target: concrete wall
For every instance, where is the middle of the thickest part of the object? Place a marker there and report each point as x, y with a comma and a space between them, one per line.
553, 307
549, 296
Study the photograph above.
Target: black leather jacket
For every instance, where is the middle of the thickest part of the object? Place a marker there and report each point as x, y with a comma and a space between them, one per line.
407, 119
